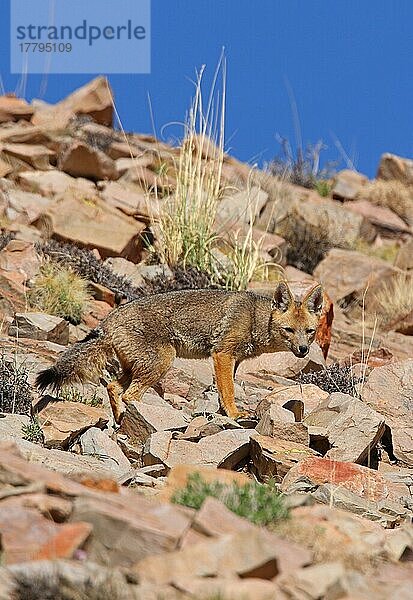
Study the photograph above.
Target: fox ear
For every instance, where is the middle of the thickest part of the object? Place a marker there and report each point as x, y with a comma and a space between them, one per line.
314, 300
282, 298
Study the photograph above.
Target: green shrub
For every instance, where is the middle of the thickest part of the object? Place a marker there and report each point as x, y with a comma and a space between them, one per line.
33, 432
59, 291
260, 504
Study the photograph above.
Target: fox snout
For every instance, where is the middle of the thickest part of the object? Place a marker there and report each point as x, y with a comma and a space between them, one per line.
301, 351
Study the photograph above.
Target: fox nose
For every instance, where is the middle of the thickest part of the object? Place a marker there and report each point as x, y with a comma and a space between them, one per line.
303, 350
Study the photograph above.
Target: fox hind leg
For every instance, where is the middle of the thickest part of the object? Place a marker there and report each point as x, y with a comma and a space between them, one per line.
147, 371
115, 390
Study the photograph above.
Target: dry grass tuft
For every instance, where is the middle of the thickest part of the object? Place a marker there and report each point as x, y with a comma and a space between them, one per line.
395, 300
59, 291
393, 194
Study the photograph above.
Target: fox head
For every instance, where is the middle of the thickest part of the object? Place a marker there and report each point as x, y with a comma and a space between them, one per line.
296, 322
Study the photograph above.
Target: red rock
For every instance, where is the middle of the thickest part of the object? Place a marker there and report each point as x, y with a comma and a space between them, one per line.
81, 160
20, 256
363, 481
27, 535
97, 310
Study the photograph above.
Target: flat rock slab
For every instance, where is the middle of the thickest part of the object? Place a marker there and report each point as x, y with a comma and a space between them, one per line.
91, 223
273, 458
225, 556
141, 420
224, 450
39, 326
61, 422
389, 391
126, 530
50, 183
350, 426
60, 461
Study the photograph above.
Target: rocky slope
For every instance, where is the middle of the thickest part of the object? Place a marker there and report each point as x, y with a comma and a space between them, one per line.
86, 508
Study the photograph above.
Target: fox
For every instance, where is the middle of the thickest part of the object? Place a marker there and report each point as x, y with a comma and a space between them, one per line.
145, 336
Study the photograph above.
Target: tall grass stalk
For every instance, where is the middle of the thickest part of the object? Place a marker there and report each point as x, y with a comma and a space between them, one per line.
187, 220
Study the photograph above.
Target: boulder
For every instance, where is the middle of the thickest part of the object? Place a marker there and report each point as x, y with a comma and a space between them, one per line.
91, 223
404, 258
387, 512
279, 423
356, 272
126, 531
94, 100
12, 294
304, 210
299, 399
39, 326
81, 160
95, 442
387, 222
141, 420
224, 450
350, 427
129, 199
11, 425
179, 474
347, 184
25, 207
61, 461
389, 391
273, 458
125, 268
395, 167
314, 582
63, 421
241, 208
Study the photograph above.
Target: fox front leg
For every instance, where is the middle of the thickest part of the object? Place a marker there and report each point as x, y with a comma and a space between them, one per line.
224, 365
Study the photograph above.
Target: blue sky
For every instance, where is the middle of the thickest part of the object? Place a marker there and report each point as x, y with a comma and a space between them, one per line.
349, 64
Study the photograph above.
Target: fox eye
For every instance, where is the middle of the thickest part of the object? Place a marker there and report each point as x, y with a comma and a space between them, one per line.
288, 329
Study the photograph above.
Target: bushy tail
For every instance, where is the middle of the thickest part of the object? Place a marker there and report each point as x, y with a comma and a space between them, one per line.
82, 362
